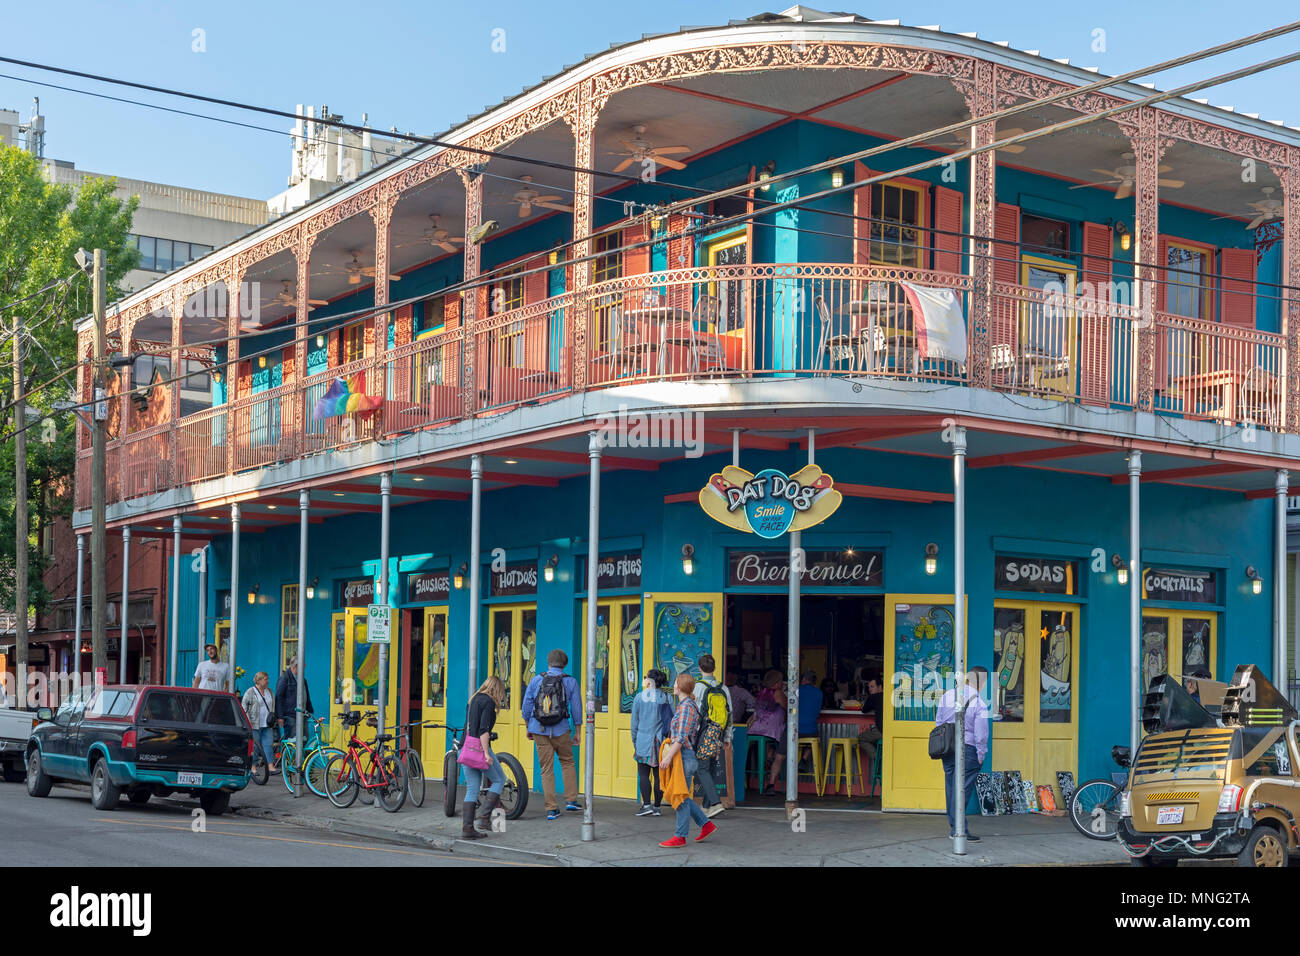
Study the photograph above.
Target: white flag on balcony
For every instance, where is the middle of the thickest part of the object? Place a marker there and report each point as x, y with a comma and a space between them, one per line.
940, 324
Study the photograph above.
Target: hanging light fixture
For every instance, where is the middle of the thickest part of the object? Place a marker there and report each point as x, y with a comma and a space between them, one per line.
837, 177
931, 558
765, 174
1121, 569
459, 578
252, 594
1125, 237
688, 559
261, 361
311, 589
1256, 582
320, 341
548, 572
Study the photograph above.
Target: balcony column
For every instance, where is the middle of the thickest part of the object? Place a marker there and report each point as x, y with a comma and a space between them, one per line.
1148, 148
174, 389
470, 297
382, 213
1135, 598
1289, 177
981, 100
125, 374
1281, 481
302, 253
230, 373
582, 121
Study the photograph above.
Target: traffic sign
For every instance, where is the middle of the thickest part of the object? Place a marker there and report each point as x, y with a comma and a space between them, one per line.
378, 623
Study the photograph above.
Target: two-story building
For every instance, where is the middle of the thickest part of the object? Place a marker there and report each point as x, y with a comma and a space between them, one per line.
1124, 294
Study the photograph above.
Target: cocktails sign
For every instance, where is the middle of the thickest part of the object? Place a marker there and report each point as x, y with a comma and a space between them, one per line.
770, 503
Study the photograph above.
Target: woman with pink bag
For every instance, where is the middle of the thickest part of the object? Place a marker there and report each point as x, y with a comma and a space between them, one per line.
477, 758
769, 722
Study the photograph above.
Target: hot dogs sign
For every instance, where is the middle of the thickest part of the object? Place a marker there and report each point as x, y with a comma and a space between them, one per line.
770, 503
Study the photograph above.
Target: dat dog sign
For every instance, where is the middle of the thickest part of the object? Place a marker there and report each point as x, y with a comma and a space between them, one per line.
770, 503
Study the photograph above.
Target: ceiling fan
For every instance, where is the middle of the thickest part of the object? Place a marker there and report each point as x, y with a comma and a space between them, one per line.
354, 270
639, 150
528, 197
1264, 210
1124, 175
958, 141
287, 297
435, 235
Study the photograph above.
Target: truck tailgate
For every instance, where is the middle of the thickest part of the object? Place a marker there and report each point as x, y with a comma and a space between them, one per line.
177, 730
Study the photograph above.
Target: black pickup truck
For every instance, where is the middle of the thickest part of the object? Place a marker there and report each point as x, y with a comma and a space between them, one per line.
143, 741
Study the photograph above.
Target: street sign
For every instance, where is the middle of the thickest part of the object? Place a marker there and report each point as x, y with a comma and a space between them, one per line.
378, 623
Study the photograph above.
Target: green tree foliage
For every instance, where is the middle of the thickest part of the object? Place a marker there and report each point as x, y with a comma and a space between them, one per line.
41, 228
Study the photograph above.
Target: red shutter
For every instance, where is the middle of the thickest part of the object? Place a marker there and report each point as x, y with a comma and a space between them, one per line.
862, 216
404, 332
636, 262
287, 366
681, 255
1162, 334
451, 311
1095, 322
948, 230
1237, 300
1006, 261
332, 353
535, 283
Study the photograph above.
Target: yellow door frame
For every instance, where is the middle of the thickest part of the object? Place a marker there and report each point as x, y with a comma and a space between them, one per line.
347, 634
911, 779
615, 772
433, 742
1071, 272
1035, 747
511, 729
711, 250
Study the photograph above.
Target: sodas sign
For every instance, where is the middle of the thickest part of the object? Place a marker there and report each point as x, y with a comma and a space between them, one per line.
771, 502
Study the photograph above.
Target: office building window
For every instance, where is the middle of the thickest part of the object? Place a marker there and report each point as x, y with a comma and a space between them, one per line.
164, 255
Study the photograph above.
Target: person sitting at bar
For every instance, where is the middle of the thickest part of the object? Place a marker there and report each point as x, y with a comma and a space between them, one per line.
875, 706
810, 704
742, 701
769, 722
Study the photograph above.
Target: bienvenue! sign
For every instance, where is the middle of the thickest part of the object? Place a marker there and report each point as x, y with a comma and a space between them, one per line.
770, 503
823, 568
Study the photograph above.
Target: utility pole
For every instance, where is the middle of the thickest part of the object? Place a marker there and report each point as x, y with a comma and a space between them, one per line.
98, 573
20, 516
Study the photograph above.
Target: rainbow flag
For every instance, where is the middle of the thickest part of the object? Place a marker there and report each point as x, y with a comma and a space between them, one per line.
343, 397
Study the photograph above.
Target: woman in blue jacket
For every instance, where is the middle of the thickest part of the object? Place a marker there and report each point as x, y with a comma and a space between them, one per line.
652, 715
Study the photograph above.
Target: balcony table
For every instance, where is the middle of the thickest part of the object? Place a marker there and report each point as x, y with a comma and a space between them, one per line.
1228, 385
879, 326
662, 315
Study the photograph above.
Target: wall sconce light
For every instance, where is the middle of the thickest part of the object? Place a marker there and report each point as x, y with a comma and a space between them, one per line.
931, 558
261, 361
1121, 569
320, 341
553, 257
311, 589
252, 594
1256, 582
1125, 237
217, 376
548, 572
459, 578
837, 177
765, 174
688, 559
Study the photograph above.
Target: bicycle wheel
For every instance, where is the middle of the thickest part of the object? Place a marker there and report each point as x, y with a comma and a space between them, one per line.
514, 798
341, 781
415, 778
451, 783
287, 770
261, 773
392, 792
315, 766
1094, 811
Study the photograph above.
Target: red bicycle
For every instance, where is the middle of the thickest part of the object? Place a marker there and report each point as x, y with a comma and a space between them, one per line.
375, 769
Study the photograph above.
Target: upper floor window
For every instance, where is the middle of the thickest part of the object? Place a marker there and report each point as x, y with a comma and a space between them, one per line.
353, 342
507, 294
1044, 235
196, 387
897, 217
610, 263
1186, 290
164, 255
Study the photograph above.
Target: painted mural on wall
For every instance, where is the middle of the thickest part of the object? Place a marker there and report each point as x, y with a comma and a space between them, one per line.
1155, 649
631, 658
437, 644
923, 658
1056, 655
683, 632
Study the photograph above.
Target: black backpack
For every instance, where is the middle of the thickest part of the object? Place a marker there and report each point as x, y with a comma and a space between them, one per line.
552, 703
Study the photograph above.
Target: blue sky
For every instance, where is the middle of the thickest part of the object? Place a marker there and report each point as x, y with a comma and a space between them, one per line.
425, 66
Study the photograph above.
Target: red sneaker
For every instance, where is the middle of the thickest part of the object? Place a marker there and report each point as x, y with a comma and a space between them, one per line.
706, 831
674, 842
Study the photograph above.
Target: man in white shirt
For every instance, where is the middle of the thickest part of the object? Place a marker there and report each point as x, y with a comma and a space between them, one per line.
976, 741
212, 673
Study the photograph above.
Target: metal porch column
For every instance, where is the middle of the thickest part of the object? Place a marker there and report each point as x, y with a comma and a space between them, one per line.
1135, 596
304, 504
126, 590
593, 571
1279, 583
475, 520
795, 579
234, 585
176, 602
385, 500
959, 639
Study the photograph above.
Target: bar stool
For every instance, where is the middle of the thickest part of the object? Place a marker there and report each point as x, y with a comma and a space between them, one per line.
814, 744
846, 748
761, 743
876, 764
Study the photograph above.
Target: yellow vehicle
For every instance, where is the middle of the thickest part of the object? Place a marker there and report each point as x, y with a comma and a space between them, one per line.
1207, 787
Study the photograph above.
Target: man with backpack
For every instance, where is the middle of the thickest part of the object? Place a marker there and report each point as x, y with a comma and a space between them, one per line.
714, 702
553, 709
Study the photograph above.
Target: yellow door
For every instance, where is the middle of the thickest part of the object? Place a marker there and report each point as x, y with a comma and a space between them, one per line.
433, 743
354, 670
1047, 328
919, 652
1177, 642
1033, 689
512, 656
618, 679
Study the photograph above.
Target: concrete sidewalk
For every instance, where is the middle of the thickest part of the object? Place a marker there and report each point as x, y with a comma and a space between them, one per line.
745, 837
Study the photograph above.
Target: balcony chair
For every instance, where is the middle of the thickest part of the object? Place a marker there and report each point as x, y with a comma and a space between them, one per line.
1255, 401
1002, 361
707, 354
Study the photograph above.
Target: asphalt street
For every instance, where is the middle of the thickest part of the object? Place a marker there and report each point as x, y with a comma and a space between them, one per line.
65, 830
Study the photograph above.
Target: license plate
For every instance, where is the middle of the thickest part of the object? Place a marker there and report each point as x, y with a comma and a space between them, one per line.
196, 780
1169, 815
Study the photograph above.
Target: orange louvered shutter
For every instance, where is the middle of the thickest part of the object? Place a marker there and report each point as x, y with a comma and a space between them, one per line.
1006, 261
404, 331
1237, 282
861, 216
636, 262
1095, 321
535, 282
287, 366
451, 311
1163, 341
947, 230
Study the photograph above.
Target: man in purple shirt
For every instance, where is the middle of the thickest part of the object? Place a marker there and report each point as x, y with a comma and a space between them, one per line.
976, 741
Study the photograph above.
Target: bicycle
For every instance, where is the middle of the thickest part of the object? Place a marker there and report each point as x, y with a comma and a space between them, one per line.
315, 761
384, 775
514, 798
410, 757
1094, 808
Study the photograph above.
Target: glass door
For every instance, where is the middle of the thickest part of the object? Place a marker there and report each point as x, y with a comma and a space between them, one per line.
433, 697
1047, 332
354, 671
1182, 643
1034, 694
618, 670
512, 656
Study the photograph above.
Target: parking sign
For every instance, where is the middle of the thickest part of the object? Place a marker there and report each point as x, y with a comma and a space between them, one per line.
379, 619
